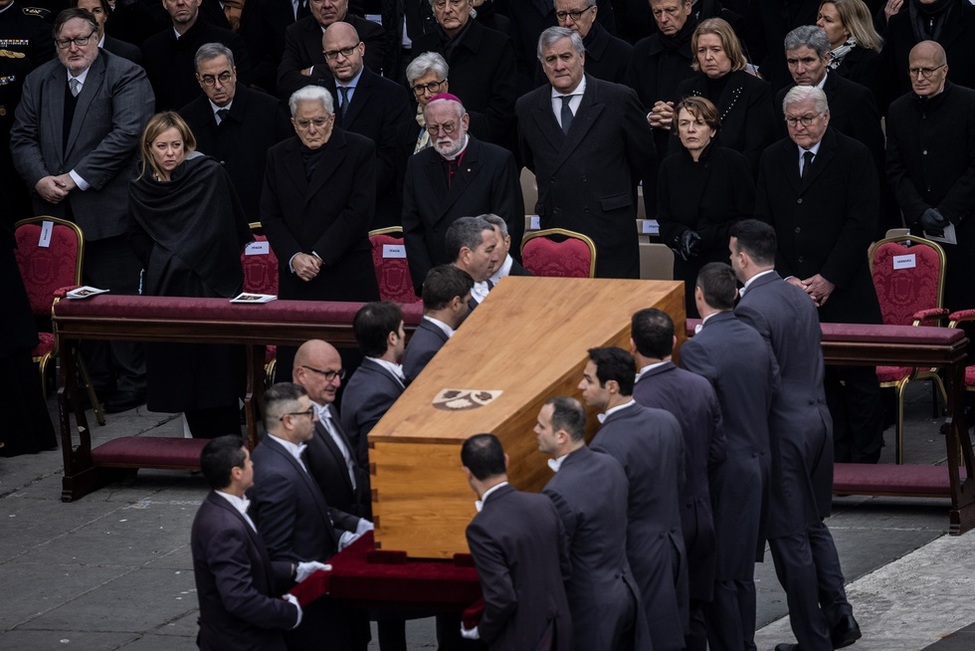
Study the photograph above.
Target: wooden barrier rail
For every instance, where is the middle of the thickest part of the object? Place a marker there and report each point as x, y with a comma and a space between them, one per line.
180, 320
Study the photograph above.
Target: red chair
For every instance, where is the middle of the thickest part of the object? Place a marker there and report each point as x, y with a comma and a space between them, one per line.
47, 271
392, 267
909, 277
556, 252
261, 277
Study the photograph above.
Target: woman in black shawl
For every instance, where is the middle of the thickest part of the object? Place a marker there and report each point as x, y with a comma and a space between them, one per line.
188, 228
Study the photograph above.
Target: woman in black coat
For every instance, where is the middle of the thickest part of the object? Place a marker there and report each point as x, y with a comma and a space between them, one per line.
744, 101
855, 44
702, 190
189, 229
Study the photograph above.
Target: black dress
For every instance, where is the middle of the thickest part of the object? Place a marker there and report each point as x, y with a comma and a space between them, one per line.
189, 233
706, 197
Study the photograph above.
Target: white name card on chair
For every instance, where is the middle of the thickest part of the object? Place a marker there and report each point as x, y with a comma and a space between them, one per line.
651, 227
47, 228
908, 261
257, 248
394, 251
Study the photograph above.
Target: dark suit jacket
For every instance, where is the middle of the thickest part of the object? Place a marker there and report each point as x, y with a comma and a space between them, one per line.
303, 48
427, 339
694, 404
237, 584
648, 444
587, 179
169, 62
745, 108
123, 49
103, 143
825, 221
603, 596
735, 359
378, 110
520, 553
800, 427
262, 26
369, 394
486, 182
482, 75
327, 465
256, 123
328, 214
866, 67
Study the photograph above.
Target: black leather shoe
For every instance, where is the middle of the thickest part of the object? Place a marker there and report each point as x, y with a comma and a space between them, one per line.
845, 632
785, 646
124, 401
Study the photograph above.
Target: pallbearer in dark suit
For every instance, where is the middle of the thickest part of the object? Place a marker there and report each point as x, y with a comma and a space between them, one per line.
818, 188
693, 403
588, 143
371, 106
735, 359
234, 124
603, 596
237, 584
521, 556
292, 515
446, 294
648, 444
800, 434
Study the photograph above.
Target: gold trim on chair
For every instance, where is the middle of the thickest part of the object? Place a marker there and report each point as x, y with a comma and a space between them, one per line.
389, 230
566, 233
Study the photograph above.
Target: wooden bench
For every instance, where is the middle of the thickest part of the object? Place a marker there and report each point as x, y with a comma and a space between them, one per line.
180, 320
873, 345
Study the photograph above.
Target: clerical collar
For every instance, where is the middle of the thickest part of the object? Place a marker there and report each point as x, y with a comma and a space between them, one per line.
479, 504
609, 412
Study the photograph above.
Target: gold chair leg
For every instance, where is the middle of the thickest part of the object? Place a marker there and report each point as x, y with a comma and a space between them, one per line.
41, 368
899, 449
97, 406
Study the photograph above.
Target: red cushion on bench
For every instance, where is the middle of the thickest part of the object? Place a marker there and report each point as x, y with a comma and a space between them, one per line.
889, 479
165, 452
880, 334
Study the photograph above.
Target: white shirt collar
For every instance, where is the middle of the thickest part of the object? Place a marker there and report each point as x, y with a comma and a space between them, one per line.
480, 291
81, 78
823, 81
101, 41
396, 370
239, 503
447, 330
646, 369
479, 504
556, 464
748, 283
215, 108
814, 149
579, 90
609, 412
503, 270
294, 449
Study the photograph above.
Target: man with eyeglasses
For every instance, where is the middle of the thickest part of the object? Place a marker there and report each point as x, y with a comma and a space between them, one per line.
607, 57
304, 60
169, 56
457, 176
234, 124
930, 140
294, 518
371, 106
75, 143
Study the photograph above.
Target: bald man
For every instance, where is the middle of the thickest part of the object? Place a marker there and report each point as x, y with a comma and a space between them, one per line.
331, 458
930, 140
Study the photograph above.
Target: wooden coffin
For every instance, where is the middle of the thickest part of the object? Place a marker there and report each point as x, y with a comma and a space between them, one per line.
528, 340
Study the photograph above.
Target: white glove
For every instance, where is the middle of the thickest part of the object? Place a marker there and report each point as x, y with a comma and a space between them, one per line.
307, 569
290, 598
347, 538
363, 526
471, 634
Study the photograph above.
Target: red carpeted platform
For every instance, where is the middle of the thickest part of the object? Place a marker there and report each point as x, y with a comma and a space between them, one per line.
168, 453
889, 479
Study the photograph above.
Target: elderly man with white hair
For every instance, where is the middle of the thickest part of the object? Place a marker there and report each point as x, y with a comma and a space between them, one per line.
457, 176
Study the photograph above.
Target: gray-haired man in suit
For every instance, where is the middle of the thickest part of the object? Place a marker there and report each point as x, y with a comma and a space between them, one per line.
75, 142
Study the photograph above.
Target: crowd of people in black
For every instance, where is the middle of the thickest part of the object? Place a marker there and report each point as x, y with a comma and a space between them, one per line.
162, 129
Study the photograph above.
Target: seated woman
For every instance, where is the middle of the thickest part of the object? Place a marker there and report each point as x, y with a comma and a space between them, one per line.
855, 44
702, 190
744, 101
189, 229
318, 201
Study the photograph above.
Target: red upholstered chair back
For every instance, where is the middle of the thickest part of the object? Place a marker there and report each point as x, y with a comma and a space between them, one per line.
908, 274
260, 269
556, 252
46, 269
392, 267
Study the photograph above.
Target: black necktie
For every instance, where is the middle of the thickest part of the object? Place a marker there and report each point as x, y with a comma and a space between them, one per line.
566, 114
807, 159
343, 100
222, 115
